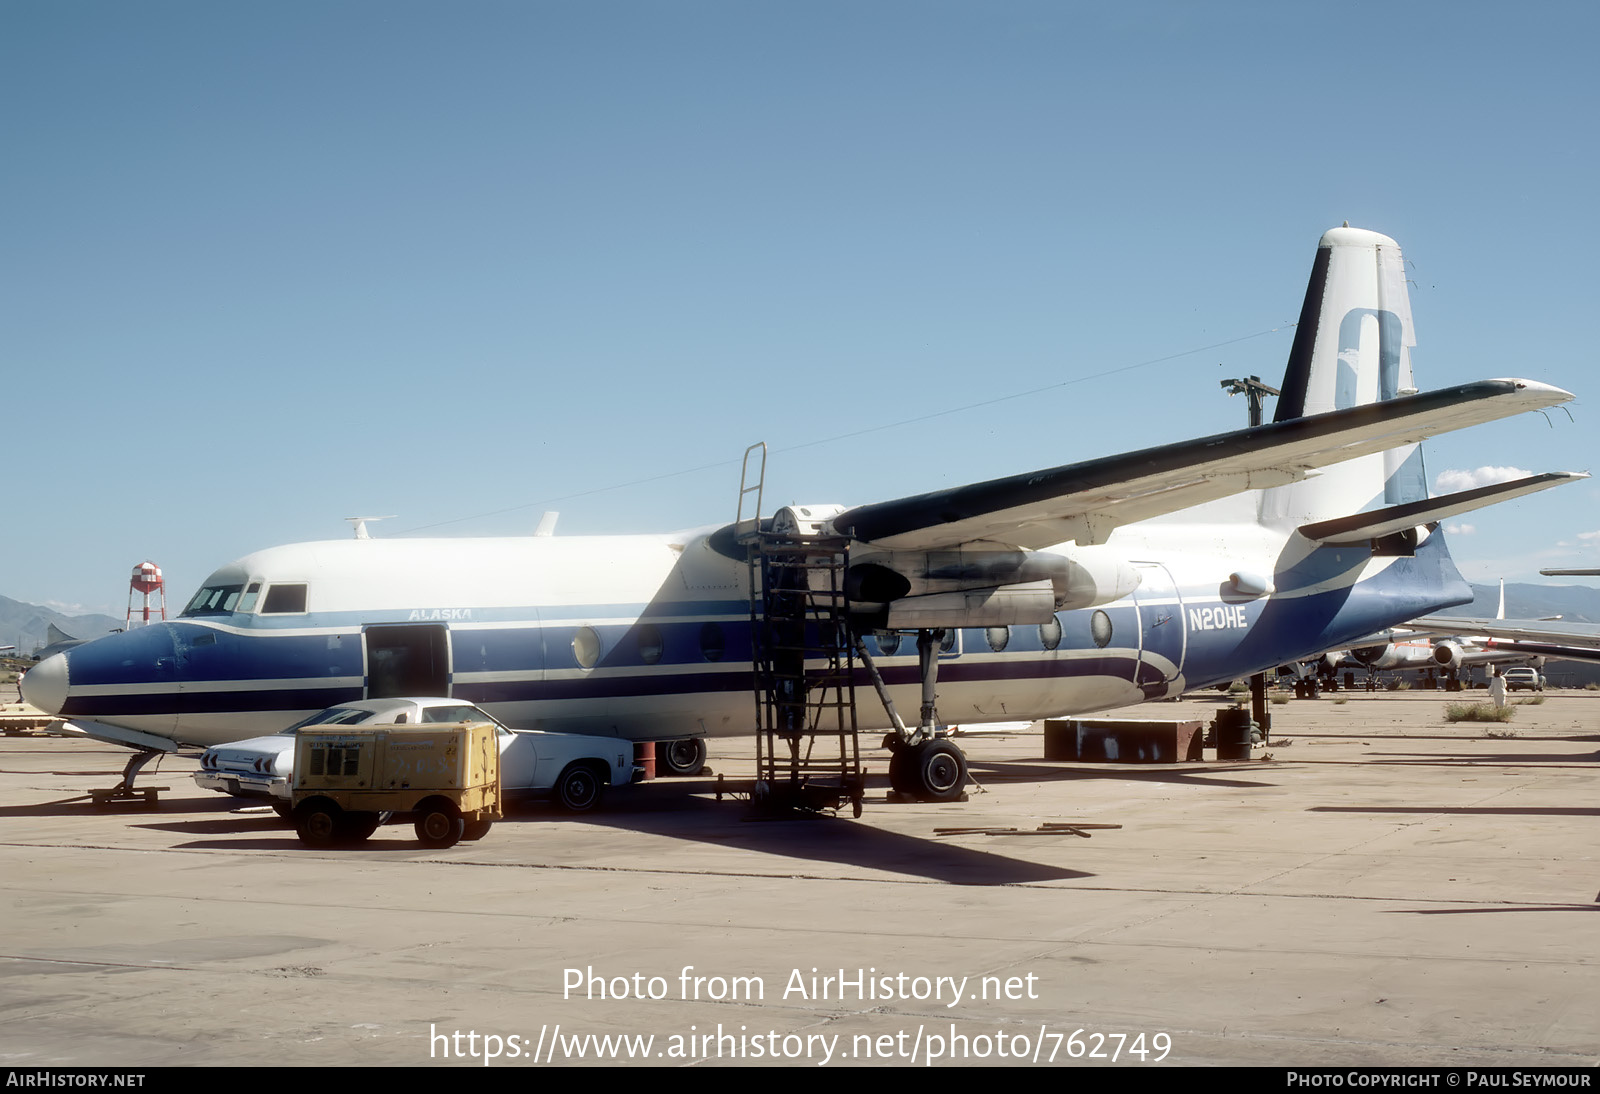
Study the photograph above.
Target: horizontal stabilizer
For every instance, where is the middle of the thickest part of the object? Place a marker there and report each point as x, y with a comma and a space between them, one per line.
1084, 501
1361, 527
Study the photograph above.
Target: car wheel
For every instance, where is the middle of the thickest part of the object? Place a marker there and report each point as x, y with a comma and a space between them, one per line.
438, 823
476, 830
578, 790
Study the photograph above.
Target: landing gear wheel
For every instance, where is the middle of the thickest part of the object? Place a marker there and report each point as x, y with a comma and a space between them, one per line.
935, 771
578, 790
476, 830
438, 824
899, 764
682, 757
317, 822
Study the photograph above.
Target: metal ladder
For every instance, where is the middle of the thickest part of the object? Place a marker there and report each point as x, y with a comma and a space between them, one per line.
808, 754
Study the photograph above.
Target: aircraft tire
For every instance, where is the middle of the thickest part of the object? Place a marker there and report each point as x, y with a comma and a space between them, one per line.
681, 757
937, 771
317, 822
438, 823
578, 790
899, 761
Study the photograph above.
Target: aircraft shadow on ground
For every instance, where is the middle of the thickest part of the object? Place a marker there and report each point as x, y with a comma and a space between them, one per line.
683, 809
680, 809
79, 805
1188, 775
1480, 759
1576, 738
1497, 911
1464, 810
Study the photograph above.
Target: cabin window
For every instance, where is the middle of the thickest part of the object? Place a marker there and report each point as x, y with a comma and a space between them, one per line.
214, 600
998, 637
1050, 633
887, 642
650, 646
586, 647
284, 600
947, 641
712, 644
1100, 629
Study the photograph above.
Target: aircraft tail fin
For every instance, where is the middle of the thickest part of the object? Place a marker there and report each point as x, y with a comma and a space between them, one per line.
1352, 347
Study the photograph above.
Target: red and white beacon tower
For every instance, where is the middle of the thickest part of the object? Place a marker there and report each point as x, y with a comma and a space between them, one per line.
146, 580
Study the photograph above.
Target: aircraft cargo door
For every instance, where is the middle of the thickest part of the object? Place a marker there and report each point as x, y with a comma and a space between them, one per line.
1162, 641
409, 660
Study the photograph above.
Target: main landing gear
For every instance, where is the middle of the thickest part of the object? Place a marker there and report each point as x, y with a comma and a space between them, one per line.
921, 766
934, 771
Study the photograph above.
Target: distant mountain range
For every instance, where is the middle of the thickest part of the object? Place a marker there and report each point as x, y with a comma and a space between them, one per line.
25, 625
1573, 603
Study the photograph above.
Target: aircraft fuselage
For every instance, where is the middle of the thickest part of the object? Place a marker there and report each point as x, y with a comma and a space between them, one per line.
648, 637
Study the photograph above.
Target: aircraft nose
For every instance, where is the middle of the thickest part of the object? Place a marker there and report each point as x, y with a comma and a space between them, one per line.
45, 685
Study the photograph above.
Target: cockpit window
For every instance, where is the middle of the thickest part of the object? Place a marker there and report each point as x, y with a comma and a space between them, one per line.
215, 600
247, 602
284, 600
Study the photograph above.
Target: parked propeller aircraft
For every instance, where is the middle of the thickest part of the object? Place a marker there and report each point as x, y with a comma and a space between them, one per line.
1068, 590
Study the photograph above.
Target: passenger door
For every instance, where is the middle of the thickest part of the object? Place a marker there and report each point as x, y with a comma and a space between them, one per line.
407, 660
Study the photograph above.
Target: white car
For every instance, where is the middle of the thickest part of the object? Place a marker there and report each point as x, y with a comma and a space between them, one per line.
569, 767
1518, 679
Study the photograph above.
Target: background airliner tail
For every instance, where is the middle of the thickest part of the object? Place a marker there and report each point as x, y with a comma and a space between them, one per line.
1352, 347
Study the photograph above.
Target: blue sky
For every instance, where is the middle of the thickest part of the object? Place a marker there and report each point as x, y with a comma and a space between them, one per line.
269, 266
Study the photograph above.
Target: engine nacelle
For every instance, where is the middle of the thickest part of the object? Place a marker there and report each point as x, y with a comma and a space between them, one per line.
1004, 606
1447, 654
1374, 657
1086, 578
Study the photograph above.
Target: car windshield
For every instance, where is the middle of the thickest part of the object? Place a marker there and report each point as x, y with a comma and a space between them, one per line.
333, 716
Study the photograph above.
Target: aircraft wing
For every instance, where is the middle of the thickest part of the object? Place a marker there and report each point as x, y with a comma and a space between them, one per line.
1582, 635
1533, 637
1085, 501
